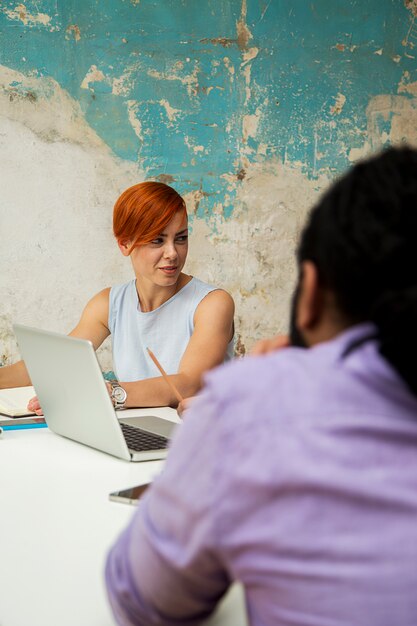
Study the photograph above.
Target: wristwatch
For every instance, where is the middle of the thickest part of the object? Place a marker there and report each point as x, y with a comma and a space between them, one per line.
118, 395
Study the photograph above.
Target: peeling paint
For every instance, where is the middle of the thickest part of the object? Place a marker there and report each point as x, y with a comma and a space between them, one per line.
20, 13
172, 113
243, 33
410, 39
165, 178
262, 149
230, 68
94, 75
337, 108
46, 108
249, 55
189, 80
240, 349
247, 75
121, 86
250, 126
247, 70
411, 5
406, 86
390, 120
133, 109
355, 154
73, 31
221, 41
192, 146
193, 199
8, 346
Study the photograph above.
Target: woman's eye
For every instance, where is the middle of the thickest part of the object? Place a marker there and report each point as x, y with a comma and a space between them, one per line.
157, 241
182, 238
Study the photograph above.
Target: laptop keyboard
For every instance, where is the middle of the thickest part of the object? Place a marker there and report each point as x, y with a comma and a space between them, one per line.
139, 440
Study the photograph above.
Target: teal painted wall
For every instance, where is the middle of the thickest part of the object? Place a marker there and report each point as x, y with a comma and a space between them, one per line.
194, 91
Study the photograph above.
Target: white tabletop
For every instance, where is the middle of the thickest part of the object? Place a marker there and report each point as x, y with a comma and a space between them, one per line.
57, 524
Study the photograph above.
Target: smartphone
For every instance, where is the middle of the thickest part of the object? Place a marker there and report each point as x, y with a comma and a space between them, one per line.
129, 496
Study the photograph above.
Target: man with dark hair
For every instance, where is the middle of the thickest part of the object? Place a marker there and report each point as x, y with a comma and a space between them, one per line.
295, 472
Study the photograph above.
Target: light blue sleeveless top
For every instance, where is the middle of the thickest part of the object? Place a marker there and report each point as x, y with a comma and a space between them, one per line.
166, 330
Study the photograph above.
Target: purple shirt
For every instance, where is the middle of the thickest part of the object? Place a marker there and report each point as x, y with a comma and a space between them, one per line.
294, 473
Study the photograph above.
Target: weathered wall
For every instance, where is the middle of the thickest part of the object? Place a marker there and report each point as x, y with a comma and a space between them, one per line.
248, 107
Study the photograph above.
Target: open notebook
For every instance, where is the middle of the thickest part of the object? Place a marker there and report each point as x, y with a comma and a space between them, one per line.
14, 402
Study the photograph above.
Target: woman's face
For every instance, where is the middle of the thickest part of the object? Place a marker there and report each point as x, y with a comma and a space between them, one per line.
162, 260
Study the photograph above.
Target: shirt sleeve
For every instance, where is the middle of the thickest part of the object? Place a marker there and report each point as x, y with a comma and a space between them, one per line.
165, 568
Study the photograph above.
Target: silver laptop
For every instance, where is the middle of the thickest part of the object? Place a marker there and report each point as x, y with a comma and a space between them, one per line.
76, 404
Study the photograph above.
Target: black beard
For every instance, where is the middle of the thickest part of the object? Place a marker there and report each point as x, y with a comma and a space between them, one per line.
296, 338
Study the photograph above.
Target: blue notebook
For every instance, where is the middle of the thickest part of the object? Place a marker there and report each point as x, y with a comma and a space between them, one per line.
17, 425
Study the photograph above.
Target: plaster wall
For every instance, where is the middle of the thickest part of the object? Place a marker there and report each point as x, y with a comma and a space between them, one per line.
248, 107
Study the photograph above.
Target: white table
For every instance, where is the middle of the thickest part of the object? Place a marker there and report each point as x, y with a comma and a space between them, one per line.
57, 524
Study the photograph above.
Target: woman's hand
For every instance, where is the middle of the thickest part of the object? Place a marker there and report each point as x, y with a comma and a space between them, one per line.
270, 345
34, 406
184, 405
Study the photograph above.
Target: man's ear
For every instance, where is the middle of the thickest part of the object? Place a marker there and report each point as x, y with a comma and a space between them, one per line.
124, 246
310, 302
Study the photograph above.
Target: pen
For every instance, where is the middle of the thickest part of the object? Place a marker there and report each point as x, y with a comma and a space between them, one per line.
165, 376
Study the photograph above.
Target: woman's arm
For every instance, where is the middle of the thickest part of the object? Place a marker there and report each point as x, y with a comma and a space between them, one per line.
15, 375
213, 330
93, 324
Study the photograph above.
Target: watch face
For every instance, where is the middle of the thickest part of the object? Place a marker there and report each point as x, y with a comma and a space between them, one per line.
119, 394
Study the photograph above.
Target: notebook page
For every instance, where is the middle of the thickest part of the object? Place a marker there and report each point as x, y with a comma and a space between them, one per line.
13, 402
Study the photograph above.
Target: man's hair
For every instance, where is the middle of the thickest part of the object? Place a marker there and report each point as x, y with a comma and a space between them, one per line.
362, 237
143, 211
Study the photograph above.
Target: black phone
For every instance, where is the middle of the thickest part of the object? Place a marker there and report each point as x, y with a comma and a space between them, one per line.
129, 496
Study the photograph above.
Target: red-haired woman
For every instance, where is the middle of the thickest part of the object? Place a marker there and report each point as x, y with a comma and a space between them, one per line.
188, 324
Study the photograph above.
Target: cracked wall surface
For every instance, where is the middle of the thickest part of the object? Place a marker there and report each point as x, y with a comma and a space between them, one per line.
248, 107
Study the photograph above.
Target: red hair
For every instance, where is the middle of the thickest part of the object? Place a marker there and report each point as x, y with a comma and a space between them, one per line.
143, 211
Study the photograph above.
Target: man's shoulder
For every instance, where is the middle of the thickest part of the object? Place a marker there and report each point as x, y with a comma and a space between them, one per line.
279, 376
299, 386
